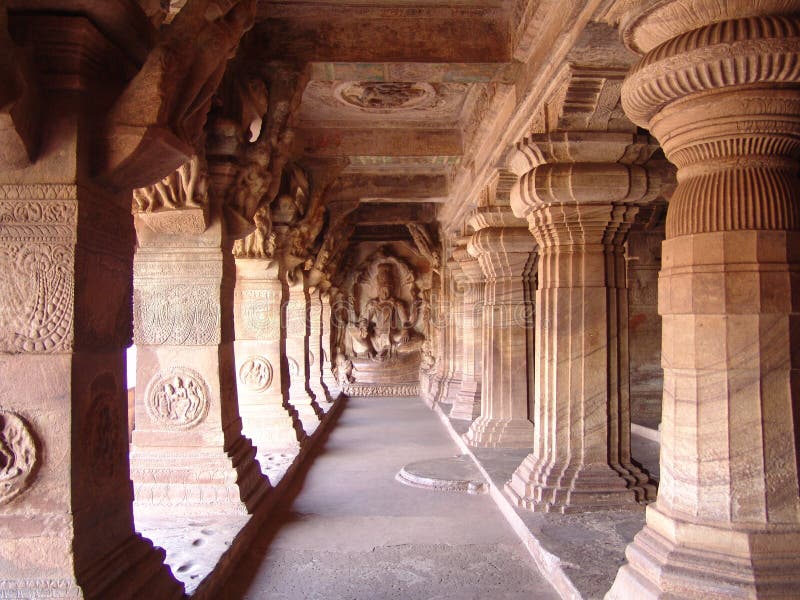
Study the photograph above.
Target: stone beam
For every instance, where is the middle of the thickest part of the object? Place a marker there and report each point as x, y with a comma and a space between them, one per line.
375, 34
429, 72
371, 185
321, 142
394, 214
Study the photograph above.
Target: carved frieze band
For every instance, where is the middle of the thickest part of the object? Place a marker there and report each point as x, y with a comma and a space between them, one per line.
18, 456
178, 399
179, 314
381, 390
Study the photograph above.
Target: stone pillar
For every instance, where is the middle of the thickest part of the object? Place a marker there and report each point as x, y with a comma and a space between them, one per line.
297, 355
505, 251
188, 453
579, 214
718, 86
315, 351
453, 315
431, 375
467, 404
328, 378
66, 254
643, 257
267, 419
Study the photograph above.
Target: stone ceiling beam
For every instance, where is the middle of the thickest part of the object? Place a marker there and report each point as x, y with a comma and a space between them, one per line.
359, 36
442, 72
411, 187
321, 142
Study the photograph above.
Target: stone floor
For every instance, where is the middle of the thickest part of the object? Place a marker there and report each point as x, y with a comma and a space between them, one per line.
355, 532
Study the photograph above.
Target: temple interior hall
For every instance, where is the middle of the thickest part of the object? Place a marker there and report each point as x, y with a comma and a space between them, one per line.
399, 299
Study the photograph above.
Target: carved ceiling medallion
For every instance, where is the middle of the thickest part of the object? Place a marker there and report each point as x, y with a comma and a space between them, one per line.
385, 97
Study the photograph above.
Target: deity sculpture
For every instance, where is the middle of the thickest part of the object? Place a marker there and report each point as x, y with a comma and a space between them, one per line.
385, 329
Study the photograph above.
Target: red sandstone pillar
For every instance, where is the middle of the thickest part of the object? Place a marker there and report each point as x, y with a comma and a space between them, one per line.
579, 214
66, 254
718, 86
506, 253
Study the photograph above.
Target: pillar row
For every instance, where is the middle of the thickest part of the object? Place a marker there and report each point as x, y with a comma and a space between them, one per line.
506, 256
579, 214
718, 87
467, 404
268, 419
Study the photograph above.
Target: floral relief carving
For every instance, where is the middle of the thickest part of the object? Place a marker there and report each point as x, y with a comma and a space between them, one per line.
18, 456
177, 314
37, 293
261, 313
177, 399
255, 374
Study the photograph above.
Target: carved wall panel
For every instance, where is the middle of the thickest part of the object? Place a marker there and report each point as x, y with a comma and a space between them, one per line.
261, 313
18, 456
177, 399
255, 374
39, 224
102, 429
179, 314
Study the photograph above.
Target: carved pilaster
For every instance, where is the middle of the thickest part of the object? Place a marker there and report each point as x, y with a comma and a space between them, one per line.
467, 404
453, 312
506, 253
317, 354
717, 85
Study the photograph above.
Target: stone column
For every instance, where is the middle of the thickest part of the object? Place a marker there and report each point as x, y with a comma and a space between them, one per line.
267, 419
505, 251
643, 257
431, 375
66, 255
297, 355
719, 87
315, 352
453, 315
467, 404
579, 214
328, 378
188, 453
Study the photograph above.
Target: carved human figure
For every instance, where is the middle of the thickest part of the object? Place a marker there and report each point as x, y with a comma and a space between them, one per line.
384, 329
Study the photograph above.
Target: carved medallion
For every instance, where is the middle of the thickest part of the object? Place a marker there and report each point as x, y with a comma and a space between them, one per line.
294, 368
177, 399
255, 374
18, 458
103, 436
261, 311
385, 96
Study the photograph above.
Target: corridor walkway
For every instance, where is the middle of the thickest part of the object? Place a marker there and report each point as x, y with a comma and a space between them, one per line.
353, 532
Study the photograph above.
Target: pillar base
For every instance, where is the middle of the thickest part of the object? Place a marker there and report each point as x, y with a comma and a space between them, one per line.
272, 426
672, 558
429, 385
134, 570
496, 433
448, 389
467, 405
576, 489
308, 411
197, 480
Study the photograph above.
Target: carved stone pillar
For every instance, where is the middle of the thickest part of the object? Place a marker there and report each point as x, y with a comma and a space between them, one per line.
66, 254
267, 419
506, 253
328, 377
467, 404
453, 315
315, 350
718, 86
297, 356
431, 375
188, 453
579, 214
643, 257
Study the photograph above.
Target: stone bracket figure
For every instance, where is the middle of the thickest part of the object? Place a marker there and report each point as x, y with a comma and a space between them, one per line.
19, 105
157, 123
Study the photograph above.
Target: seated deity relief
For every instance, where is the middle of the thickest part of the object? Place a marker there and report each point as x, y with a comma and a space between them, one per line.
385, 329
